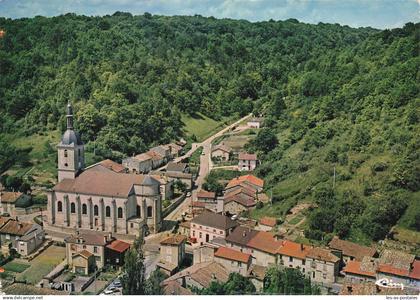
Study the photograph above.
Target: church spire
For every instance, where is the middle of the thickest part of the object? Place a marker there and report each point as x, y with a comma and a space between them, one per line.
69, 116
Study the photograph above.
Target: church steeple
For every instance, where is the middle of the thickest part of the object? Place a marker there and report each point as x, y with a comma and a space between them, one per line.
71, 151
69, 116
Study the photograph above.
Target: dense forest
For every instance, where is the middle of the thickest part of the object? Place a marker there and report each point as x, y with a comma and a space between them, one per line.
341, 104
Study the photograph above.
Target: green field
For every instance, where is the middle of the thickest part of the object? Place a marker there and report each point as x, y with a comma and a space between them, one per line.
43, 264
202, 126
16, 267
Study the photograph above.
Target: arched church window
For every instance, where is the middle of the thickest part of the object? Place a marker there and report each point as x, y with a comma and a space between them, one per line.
120, 212
73, 208
59, 206
65, 153
149, 211
138, 211
84, 209
96, 210
107, 211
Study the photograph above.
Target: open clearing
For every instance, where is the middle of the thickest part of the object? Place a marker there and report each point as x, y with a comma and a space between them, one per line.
43, 264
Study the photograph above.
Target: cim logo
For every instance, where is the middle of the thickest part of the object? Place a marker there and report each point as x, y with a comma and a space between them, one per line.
387, 283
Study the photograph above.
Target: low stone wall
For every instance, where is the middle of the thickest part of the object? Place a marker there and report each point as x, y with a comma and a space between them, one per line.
173, 205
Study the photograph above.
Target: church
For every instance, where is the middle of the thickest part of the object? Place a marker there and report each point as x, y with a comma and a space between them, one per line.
101, 197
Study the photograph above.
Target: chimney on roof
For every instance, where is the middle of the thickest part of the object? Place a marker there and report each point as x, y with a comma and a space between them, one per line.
105, 239
20, 225
350, 289
213, 276
109, 236
244, 234
301, 247
17, 218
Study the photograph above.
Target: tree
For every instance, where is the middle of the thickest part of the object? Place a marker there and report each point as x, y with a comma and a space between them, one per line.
288, 282
235, 285
133, 279
265, 140
153, 283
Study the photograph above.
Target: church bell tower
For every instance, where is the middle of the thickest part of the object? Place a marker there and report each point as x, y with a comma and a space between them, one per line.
71, 151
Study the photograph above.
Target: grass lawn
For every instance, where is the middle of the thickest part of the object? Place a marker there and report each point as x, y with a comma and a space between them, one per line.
296, 219
202, 126
43, 264
16, 267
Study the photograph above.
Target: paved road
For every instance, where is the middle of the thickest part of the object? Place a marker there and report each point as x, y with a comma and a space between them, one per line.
205, 166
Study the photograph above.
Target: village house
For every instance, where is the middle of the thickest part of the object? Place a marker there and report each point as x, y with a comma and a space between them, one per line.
221, 151
261, 245
255, 123
208, 225
293, 255
184, 228
166, 186
400, 267
185, 178
93, 244
250, 182
247, 161
10, 200
172, 253
174, 288
157, 158
351, 251
141, 163
177, 167
205, 196
22, 236
164, 151
257, 274
323, 266
233, 260
200, 275
175, 149
115, 252
101, 248
357, 271
99, 198
237, 203
266, 224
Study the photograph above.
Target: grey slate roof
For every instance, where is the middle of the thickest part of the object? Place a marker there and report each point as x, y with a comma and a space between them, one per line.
214, 220
71, 137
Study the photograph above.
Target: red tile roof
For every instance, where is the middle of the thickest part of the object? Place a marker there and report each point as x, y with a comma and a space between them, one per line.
9, 197
268, 221
206, 194
265, 241
247, 156
231, 254
293, 249
389, 269
353, 266
14, 227
175, 239
101, 183
116, 167
351, 249
415, 270
143, 157
251, 179
85, 254
322, 254
118, 246
241, 199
